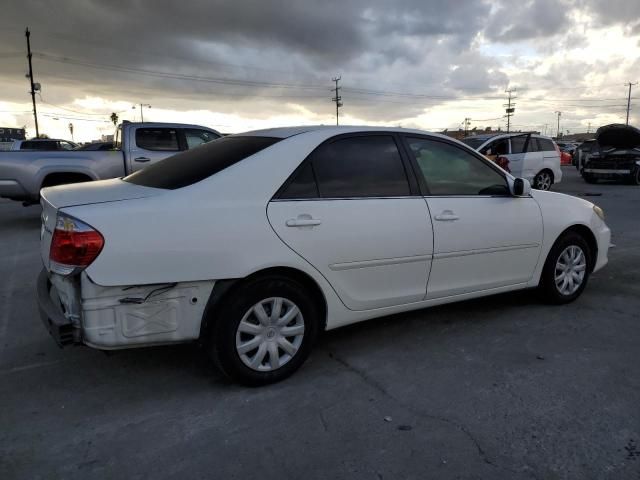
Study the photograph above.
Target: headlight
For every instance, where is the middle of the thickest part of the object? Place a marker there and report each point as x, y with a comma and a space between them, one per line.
599, 212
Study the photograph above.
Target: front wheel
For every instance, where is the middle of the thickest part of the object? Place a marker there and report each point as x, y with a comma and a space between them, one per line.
543, 181
265, 331
566, 270
635, 176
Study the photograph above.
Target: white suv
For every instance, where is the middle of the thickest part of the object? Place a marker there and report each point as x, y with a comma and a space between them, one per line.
529, 156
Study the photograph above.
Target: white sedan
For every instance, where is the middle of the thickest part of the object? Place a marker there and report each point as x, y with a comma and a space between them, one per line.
255, 243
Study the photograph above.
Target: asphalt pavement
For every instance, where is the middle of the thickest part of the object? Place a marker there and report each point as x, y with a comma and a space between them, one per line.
499, 388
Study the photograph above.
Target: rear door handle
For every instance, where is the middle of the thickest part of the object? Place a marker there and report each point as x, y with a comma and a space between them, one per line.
303, 221
141, 159
447, 216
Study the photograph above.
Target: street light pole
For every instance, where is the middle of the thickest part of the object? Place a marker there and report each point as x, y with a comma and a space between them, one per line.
33, 89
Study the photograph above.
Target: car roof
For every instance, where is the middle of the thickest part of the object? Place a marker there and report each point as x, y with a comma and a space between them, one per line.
286, 132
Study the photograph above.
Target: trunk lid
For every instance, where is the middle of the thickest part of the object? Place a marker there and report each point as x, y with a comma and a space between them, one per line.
53, 199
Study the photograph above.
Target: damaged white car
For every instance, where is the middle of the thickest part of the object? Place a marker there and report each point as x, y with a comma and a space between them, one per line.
255, 243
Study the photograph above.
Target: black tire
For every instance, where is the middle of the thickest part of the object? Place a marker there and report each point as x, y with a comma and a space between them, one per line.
227, 319
589, 178
634, 178
543, 180
548, 288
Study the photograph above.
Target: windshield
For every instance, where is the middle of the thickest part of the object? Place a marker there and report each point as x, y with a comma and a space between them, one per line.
194, 165
474, 142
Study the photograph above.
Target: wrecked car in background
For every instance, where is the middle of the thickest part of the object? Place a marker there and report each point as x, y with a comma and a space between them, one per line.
615, 155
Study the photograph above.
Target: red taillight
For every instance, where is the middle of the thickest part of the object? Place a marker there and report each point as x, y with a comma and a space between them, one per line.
503, 163
74, 245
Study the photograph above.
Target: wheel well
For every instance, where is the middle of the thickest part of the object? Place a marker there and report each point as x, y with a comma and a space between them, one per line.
224, 288
63, 178
589, 237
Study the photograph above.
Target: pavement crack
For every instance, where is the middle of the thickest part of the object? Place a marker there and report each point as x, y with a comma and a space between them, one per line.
366, 378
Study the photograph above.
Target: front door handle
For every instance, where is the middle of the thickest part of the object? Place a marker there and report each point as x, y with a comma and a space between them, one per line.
141, 159
304, 220
447, 216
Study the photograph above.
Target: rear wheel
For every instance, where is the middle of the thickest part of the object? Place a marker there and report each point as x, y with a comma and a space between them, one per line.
543, 180
566, 270
265, 331
634, 179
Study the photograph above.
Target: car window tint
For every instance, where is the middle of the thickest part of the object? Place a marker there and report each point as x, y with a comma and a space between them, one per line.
195, 137
191, 166
362, 166
450, 170
303, 184
546, 145
533, 146
517, 143
164, 139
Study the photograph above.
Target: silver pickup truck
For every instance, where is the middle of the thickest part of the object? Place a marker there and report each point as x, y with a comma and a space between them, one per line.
136, 145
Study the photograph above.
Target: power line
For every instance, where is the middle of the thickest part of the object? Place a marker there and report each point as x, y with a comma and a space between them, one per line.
510, 107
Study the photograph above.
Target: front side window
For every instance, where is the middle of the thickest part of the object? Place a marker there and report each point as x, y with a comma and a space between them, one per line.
66, 145
362, 166
195, 137
497, 147
161, 139
450, 170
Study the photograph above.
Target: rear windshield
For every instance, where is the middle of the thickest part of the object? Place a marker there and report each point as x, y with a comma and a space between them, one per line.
191, 166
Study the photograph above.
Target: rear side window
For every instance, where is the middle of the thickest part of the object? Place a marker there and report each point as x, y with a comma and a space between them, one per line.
363, 166
546, 145
161, 139
518, 144
195, 137
534, 146
191, 166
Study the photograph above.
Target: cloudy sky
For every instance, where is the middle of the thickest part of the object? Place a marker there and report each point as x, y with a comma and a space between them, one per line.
245, 64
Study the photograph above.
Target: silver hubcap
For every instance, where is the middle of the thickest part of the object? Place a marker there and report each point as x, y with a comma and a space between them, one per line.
270, 334
570, 270
544, 181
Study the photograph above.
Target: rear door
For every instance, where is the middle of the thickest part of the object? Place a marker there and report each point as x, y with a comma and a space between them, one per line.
194, 137
152, 144
353, 211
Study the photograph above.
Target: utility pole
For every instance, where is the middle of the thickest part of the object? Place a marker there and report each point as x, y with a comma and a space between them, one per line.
558, 131
629, 99
337, 98
27, 33
467, 124
141, 114
589, 128
510, 107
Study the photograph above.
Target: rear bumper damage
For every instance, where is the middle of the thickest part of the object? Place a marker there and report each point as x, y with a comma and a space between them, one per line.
76, 310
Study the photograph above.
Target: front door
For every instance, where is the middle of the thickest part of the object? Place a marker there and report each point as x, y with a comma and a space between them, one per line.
349, 211
484, 237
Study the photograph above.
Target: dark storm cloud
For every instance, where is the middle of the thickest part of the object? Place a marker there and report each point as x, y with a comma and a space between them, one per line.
426, 46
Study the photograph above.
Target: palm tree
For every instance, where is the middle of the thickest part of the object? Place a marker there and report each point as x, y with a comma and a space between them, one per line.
114, 118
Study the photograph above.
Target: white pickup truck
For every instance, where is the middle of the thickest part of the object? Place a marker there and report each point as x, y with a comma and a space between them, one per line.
136, 145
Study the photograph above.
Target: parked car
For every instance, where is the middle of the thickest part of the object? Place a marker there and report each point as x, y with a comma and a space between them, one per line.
615, 155
24, 173
568, 147
255, 243
581, 151
43, 144
565, 158
96, 146
526, 155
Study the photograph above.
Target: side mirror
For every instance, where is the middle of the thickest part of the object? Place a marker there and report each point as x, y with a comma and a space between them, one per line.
521, 187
